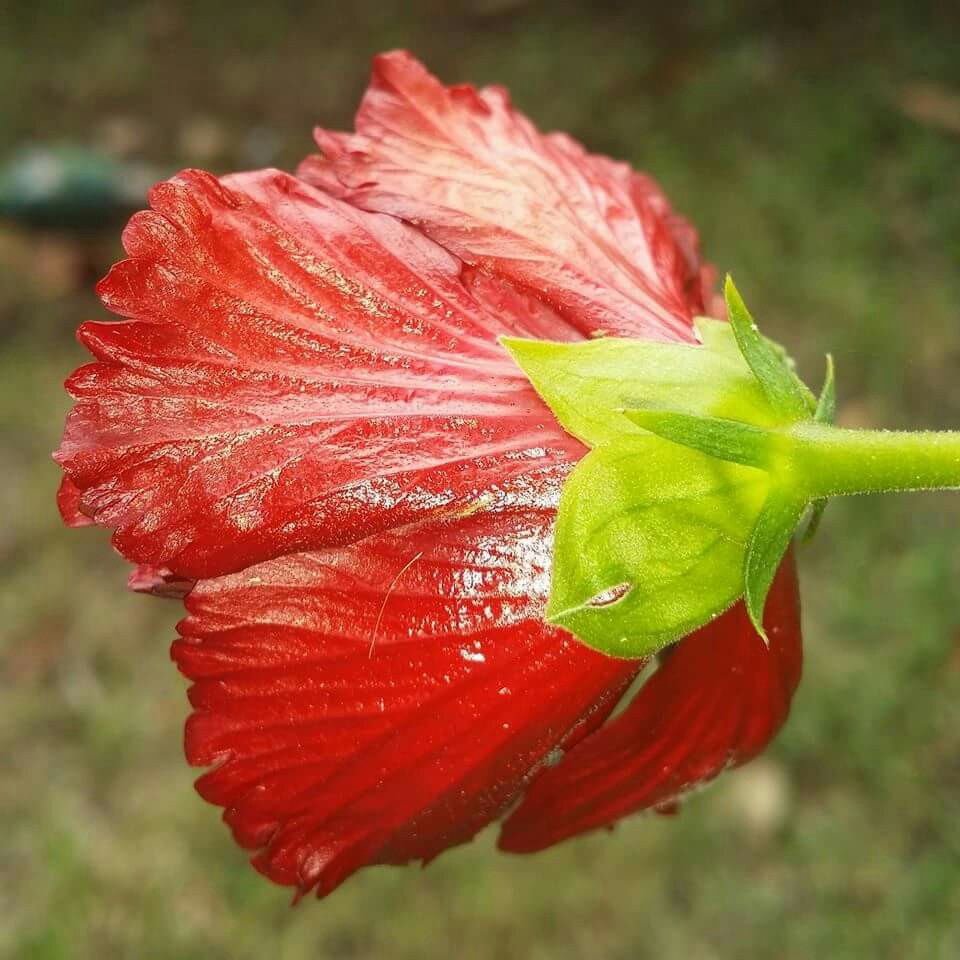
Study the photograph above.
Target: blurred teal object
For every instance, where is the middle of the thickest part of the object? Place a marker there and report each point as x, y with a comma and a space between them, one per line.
66, 187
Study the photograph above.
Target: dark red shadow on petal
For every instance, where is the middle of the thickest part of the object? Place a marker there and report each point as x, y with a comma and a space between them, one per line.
715, 702
68, 503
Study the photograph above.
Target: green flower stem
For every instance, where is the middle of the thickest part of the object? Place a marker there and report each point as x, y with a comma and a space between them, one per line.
830, 461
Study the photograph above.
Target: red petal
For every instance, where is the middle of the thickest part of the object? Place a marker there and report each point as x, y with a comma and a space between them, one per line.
295, 374
158, 582
590, 236
716, 702
382, 702
68, 503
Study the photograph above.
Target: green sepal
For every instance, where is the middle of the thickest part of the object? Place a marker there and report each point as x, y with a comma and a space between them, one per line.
683, 505
587, 384
826, 411
718, 437
784, 390
650, 543
769, 540
813, 520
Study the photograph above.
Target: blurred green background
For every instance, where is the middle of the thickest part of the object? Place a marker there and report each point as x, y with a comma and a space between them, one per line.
817, 147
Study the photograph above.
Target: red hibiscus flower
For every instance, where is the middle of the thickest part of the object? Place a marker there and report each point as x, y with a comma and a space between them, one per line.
305, 425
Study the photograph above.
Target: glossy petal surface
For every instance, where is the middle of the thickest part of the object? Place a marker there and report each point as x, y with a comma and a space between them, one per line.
381, 702
590, 236
716, 702
295, 373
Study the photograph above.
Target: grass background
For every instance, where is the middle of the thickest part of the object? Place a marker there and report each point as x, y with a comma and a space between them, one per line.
818, 150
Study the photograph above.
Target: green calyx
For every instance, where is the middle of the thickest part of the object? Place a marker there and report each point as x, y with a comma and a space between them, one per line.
705, 459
